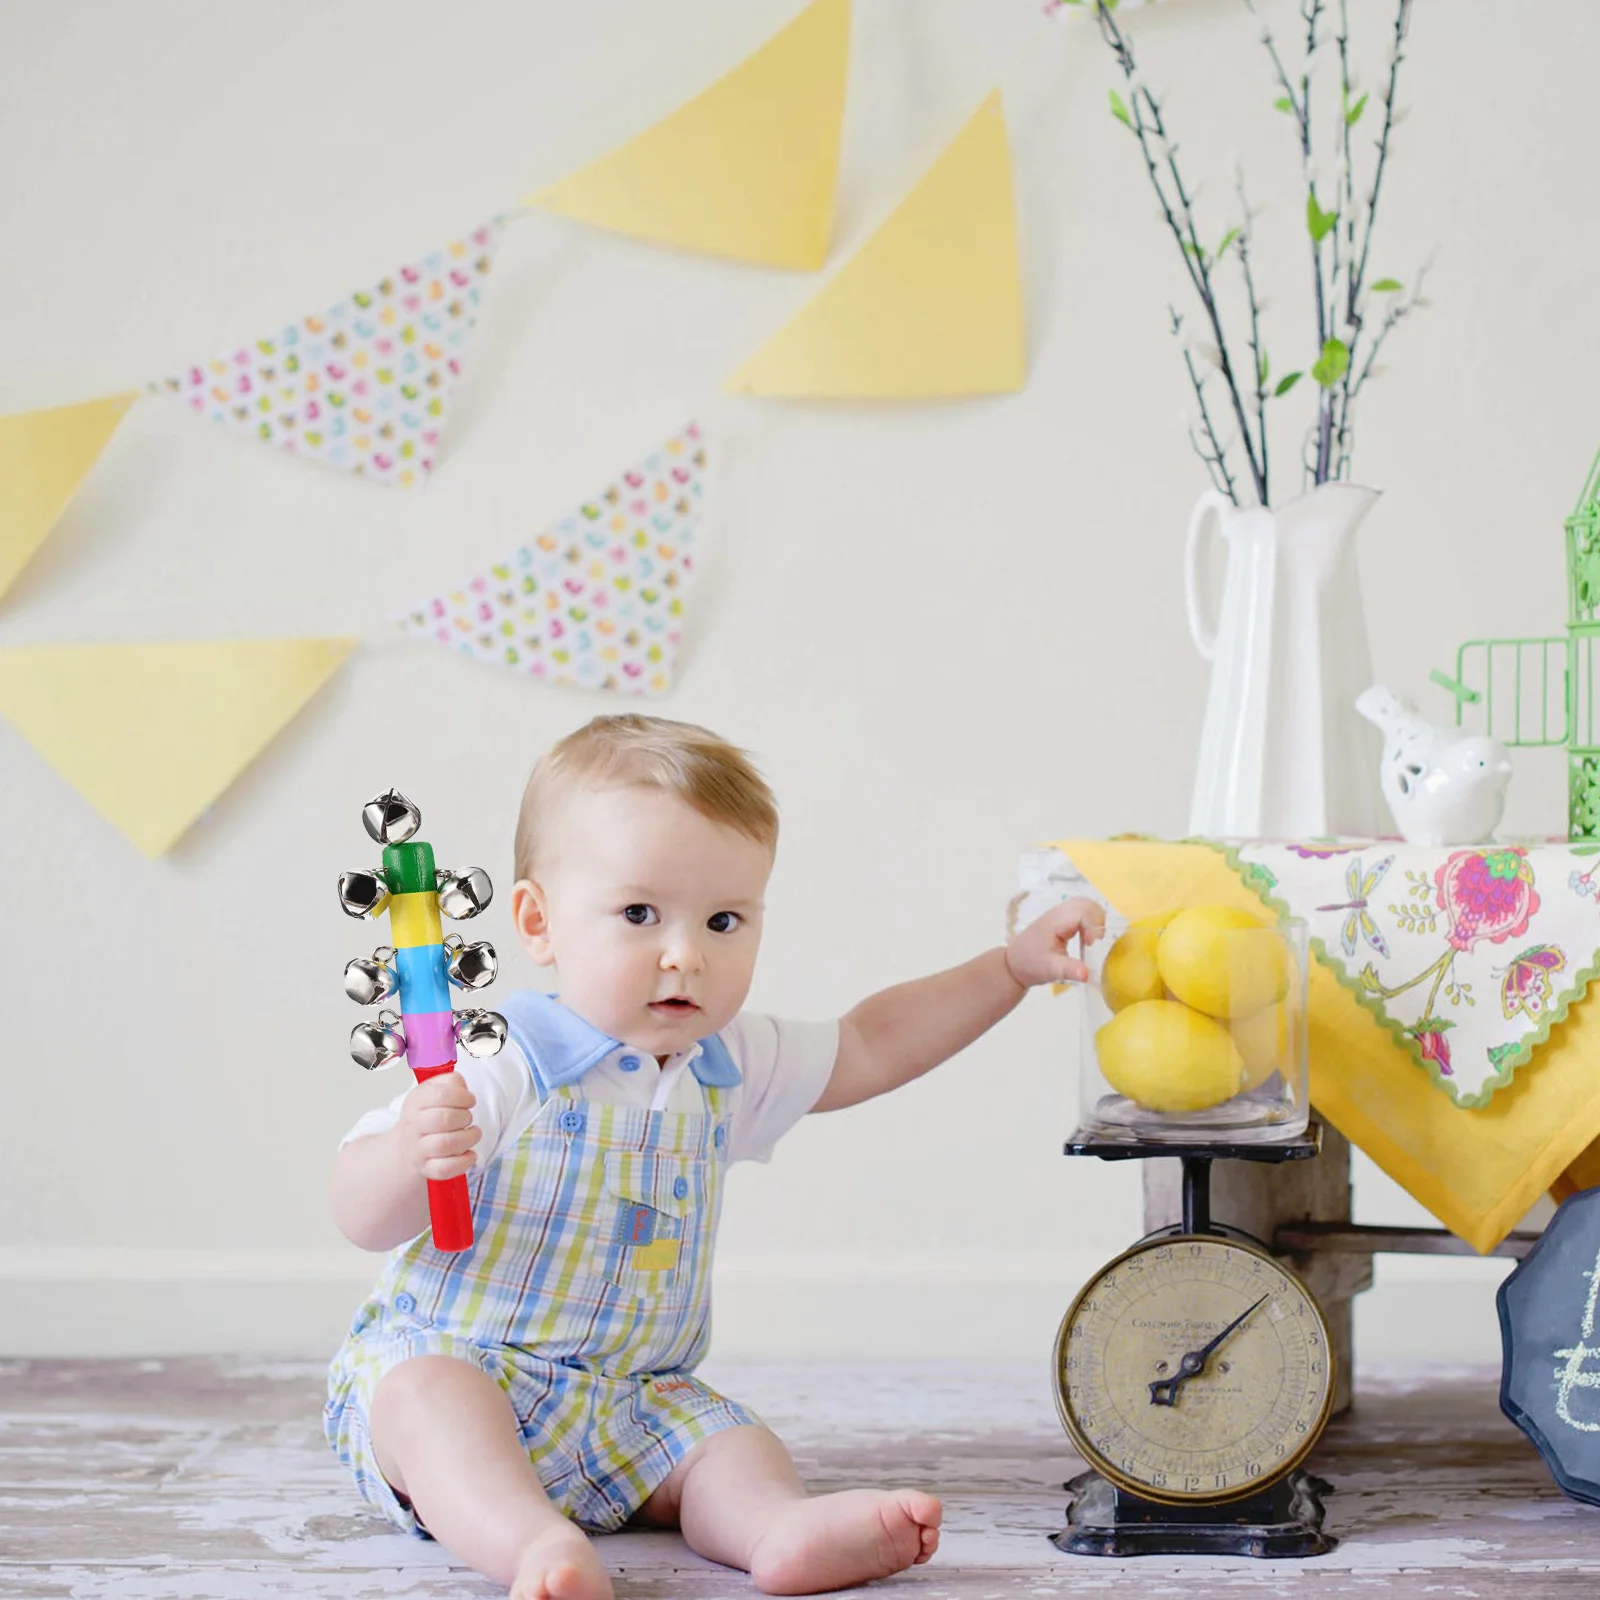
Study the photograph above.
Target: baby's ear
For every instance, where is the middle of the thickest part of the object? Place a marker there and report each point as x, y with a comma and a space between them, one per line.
532, 924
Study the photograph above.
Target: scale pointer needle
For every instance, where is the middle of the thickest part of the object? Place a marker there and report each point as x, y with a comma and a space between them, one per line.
1164, 1391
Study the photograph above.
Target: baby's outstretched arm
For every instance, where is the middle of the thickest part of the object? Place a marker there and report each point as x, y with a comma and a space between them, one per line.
900, 1033
379, 1191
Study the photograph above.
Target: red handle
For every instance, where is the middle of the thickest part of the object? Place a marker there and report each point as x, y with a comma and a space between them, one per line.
450, 1211
449, 1205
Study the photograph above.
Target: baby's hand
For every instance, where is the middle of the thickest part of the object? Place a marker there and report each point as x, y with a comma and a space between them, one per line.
1038, 954
435, 1129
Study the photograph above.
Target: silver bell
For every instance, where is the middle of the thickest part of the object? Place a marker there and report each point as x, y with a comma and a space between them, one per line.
480, 1033
472, 966
464, 894
368, 982
376, 1044
390, 818
363, 894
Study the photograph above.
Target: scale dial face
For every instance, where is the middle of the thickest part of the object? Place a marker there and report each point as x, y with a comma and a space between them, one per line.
1245, 1406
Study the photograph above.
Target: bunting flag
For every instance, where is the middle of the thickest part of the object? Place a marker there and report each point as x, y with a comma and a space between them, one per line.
151, 734
746, 169
44, 456
364, 387
930, 306
597, 599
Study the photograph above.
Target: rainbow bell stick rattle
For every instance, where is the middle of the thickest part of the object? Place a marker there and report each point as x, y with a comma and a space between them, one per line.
420, 967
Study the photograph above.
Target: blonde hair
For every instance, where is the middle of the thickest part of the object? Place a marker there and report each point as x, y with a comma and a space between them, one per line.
679, 758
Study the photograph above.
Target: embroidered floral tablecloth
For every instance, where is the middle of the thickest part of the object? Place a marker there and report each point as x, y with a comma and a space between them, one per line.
1449, 1038
1468, 955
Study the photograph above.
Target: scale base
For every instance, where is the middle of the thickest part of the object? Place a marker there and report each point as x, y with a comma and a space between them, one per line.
1281, 1523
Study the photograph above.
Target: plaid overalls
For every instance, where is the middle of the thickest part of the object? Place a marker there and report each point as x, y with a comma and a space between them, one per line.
585, 1295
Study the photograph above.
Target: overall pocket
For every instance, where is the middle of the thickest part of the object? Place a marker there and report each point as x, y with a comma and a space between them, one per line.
646, 1241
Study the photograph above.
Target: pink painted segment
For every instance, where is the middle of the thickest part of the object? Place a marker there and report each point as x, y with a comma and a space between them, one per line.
430, 1039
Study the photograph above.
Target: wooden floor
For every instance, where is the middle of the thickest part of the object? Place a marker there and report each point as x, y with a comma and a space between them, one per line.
198, 1478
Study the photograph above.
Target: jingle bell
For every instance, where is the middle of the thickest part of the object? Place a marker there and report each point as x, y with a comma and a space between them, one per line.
363, 894
472, 966
464, 894
390, 818
480, 1033
376, 1044
368, 982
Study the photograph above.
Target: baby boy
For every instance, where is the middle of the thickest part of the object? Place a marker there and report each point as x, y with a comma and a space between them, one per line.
509, 1399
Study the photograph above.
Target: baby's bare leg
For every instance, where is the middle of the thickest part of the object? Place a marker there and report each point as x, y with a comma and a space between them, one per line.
739, 1501
446, 1438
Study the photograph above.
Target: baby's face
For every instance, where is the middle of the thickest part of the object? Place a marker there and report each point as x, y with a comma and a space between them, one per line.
650, 912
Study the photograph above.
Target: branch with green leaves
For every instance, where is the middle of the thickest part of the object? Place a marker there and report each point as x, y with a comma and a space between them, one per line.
1340, 236
1398, 303
1141, 115
1208, 445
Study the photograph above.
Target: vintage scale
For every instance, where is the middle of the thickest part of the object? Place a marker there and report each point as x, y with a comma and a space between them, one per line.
1194, 1375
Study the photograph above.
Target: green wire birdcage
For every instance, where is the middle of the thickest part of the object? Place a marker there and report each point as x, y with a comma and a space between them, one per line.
1541, 692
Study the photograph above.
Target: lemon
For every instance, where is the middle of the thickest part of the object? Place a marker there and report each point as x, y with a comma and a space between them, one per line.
1130, 972
1264, 1042
1223, 962
1166, 1057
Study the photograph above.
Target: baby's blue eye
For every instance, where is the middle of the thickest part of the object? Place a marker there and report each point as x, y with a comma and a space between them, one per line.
723, 921
640, 916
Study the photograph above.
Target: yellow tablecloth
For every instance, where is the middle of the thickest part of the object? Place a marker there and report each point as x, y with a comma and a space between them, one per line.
1478, 1170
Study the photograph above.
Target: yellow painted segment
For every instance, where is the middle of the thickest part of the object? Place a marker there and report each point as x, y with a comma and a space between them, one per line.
414, 920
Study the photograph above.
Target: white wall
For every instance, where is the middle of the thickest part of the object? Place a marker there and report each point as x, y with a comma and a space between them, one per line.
948, 630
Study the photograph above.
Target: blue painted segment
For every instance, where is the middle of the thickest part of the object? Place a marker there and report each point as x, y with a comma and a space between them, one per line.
424, 978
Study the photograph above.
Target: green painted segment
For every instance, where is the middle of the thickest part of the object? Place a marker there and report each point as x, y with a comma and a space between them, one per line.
409, 867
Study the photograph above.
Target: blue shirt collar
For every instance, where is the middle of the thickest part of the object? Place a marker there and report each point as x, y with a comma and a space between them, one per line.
560, 1046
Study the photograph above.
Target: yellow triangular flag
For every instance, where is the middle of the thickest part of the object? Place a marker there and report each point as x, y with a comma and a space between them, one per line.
746, 169
44, 456
153, 733
931, 305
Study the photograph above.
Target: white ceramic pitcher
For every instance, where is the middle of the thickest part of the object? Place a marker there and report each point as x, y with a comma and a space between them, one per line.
1283, 752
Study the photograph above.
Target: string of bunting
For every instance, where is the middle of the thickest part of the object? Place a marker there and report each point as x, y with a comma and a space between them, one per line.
930, 306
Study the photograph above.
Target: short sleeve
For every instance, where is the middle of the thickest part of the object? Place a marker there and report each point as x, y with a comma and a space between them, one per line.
785, 1067
501, 1085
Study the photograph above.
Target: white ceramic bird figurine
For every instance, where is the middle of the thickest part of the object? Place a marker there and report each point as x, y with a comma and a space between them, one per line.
1444, 787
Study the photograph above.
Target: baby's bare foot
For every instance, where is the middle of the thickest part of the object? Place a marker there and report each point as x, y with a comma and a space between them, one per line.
562, 1565
838, 1540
